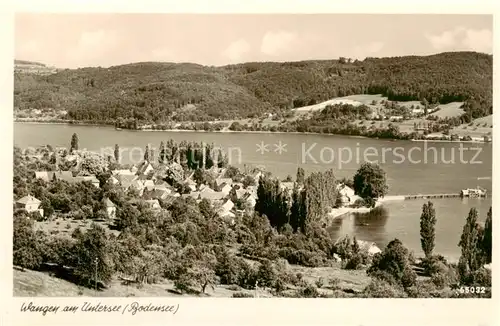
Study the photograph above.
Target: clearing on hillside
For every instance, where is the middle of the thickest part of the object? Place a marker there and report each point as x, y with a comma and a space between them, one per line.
449, 110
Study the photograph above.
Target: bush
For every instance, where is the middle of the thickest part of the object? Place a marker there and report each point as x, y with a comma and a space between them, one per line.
359, 203
409, 277
309, 291
234, 287
434, 264
334, 283
247, 276
481, 277
382, 289
319, 283
303, 257
266, 274
393, 262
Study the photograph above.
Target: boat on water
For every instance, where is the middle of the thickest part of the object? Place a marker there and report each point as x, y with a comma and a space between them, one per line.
118, 128
473, 192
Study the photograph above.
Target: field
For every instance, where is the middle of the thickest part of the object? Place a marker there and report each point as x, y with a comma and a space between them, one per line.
355, 100
449, 110
476, 129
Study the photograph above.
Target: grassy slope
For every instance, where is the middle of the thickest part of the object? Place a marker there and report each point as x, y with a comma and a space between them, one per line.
37, 284
152, 90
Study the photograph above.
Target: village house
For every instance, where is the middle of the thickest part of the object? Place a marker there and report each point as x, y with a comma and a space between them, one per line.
145, 168
149, 185
396, 118
67, 176
92, 179
153, 204
110, 208
191, 184
123, 172
49, 176
370, 247
43, 175
29, 204
347, 194
125, 180
251, 199
225, 188
223, 181
211, 194
113, 181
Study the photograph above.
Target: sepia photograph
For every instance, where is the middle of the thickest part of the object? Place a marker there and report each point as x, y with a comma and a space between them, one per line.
252, 156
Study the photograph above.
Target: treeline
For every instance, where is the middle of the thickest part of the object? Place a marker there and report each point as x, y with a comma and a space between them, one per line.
191, 155
159, 92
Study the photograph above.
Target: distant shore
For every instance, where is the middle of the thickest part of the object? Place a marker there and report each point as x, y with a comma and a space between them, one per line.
76, 123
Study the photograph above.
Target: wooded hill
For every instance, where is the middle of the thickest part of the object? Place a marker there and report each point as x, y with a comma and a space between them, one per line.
156, 92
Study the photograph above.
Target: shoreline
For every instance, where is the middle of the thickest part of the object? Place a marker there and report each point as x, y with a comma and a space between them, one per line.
247, 132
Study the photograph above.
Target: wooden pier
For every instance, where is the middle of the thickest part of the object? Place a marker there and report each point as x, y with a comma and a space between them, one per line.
429, 196
432, 196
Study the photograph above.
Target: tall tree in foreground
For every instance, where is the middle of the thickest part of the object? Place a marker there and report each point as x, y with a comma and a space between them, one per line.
427, 228
74, 142
370, 183
470, 258
487, 236
117, 153
93, 254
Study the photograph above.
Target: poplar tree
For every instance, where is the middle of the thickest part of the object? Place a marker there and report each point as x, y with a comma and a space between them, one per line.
162, 157
117, 153
146, 154
470, 258
487, 238
300, 175
74, 142
427, 228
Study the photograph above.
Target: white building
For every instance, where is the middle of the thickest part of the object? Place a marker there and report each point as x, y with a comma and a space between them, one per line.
29, 204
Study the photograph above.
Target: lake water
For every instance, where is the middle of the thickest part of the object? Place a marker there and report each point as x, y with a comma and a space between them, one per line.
411, 167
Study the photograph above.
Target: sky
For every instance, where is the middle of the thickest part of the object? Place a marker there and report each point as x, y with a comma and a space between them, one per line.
82, 40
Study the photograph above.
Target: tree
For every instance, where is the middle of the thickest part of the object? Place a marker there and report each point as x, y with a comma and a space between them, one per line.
163, 153
300, 175
117, 153
470, 258
370, 183
147, 154
427, 228
92, 250
248, 181
487, 238
74, 142
27, 247
393, 265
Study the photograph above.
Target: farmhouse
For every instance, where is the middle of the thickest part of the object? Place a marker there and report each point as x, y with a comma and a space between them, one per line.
29, 204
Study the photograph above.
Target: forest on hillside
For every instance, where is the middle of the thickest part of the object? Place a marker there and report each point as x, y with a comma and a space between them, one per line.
152, 92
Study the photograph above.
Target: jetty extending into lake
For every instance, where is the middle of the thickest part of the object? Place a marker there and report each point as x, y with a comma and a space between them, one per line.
472, 193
